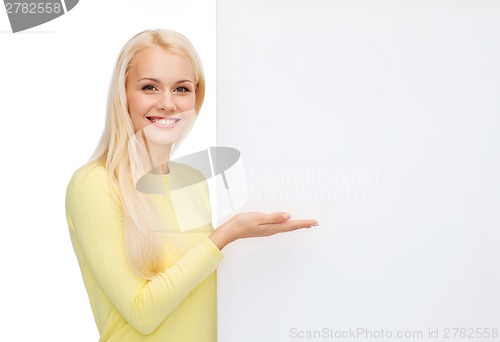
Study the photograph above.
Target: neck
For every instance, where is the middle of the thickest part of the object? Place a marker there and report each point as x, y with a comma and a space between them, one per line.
153, 156
159, 155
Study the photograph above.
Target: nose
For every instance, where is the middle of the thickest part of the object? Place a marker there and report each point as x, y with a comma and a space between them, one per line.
166, 102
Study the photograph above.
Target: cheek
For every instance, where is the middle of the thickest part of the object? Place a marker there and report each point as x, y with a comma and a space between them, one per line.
133, 103
138, 106
188, 102
136, 110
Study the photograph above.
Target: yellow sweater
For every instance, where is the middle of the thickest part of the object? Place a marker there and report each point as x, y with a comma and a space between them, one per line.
177, 305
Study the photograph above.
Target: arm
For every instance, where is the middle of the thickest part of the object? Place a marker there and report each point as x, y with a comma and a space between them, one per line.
96, 225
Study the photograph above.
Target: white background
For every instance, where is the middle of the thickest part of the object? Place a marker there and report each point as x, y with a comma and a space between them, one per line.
399, 103
54, 81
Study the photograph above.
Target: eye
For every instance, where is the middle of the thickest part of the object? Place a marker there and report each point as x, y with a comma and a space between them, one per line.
182, 89
149, 87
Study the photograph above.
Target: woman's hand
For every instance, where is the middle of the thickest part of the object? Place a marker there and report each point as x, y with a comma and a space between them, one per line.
246, 225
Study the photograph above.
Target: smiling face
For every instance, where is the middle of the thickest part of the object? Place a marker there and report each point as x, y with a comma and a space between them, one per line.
161, 95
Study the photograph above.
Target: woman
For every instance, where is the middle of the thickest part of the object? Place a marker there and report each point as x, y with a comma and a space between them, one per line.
149, 276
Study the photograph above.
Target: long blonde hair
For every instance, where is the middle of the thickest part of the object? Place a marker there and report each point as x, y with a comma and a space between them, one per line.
144, 249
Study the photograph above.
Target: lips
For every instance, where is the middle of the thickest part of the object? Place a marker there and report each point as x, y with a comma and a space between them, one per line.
164, 121
161, 120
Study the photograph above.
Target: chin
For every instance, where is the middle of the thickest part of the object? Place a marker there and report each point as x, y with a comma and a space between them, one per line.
162, 139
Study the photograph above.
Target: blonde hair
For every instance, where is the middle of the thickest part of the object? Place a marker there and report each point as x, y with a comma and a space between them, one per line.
144, 249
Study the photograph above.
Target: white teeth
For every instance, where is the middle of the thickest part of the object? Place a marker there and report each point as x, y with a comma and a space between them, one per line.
164, 121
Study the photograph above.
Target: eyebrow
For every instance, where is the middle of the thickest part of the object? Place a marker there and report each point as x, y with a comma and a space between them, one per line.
158, 81
182, 81
149, 79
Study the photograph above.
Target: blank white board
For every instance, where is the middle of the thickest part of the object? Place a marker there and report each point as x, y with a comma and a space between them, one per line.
381, 120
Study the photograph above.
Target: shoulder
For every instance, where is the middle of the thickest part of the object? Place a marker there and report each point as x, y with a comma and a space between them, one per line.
91, 169
90, 179
88, 174
91, 197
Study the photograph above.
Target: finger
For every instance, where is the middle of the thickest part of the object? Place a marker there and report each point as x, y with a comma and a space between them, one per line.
296, 224
289, 226
274, 218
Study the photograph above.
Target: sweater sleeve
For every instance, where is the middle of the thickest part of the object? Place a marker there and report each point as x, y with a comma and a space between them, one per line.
94, 217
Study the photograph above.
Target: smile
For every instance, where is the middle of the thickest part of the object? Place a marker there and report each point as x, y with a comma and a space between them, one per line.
163, 122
